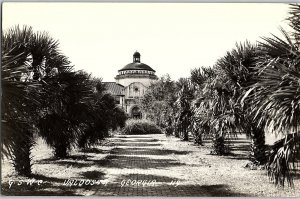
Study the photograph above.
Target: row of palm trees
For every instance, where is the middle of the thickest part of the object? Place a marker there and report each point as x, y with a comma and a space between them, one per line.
254, 88
42, 95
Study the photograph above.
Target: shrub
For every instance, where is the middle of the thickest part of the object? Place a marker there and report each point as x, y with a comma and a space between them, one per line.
140, 127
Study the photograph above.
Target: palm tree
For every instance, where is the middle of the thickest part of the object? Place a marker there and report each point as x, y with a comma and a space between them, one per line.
275, 103
221, 105
105, 116
238, 66
66, 110
277, 97
213, 107
29, 59
184, 99
201, 114
294, 20
64, 92
19, 99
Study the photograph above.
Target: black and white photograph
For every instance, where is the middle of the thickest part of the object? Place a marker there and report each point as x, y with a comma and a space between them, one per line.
157, 99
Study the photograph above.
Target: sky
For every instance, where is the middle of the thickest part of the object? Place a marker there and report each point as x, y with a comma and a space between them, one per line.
172, 38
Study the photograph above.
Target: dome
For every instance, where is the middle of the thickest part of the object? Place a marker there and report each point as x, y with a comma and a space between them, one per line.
136, 54
137, 66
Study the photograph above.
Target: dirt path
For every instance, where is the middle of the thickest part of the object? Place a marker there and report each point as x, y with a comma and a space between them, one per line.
145, 165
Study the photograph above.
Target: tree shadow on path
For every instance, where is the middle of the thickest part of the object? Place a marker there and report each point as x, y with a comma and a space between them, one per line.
164, 187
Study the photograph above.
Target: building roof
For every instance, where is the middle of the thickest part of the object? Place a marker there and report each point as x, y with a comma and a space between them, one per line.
114, 88
137, 66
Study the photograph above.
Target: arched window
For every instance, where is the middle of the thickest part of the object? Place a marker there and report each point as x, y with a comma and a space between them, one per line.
136, 113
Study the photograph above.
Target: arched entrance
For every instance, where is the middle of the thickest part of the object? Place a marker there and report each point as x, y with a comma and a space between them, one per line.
136, 112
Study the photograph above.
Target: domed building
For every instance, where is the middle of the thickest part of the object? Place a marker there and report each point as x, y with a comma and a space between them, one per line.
131, 84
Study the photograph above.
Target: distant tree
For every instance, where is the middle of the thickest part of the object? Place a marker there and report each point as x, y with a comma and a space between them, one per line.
183, 102
212, 107
158, 103
200, 120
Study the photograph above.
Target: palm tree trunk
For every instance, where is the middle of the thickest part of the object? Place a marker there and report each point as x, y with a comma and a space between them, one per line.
219, 147
177, 130
176, 133
60, 150
21, 154
258, 147
83, 141
185, 134
183, 130
198, 138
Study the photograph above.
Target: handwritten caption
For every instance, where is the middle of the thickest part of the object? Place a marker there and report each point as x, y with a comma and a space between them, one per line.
29, 182
88, 182
146, 183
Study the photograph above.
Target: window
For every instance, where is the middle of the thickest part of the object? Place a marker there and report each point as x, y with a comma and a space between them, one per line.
117, 99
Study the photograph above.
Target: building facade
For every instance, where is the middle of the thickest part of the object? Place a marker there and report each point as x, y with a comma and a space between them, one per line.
131, 84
